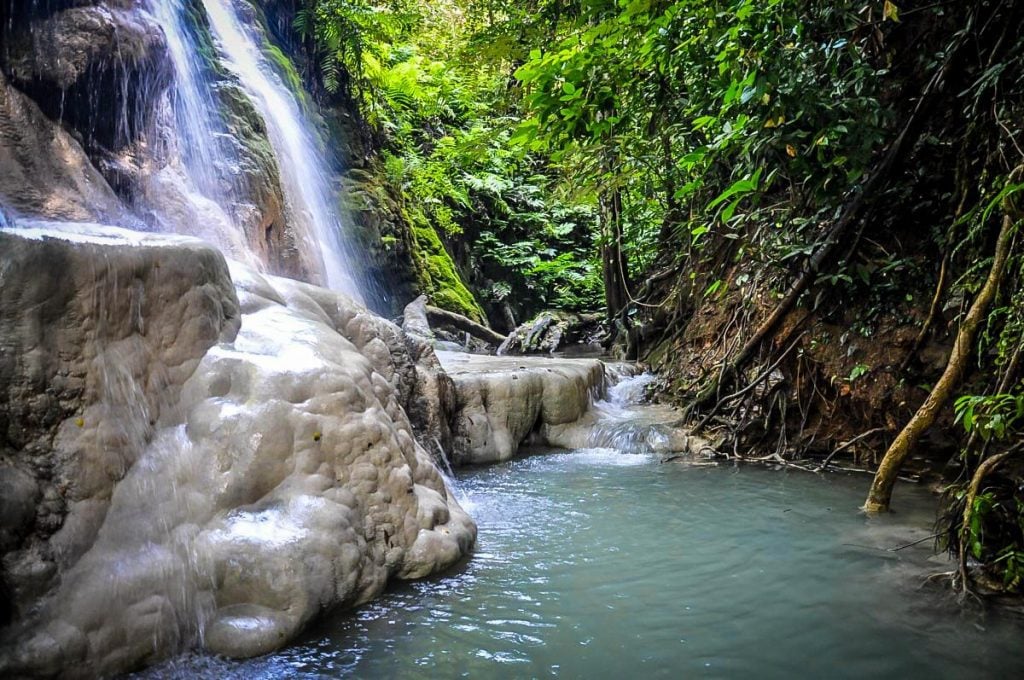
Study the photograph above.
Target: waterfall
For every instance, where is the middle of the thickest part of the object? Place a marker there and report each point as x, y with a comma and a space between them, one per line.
191, 188
210, 199
226, 153
192, 101
451, 482
304, 169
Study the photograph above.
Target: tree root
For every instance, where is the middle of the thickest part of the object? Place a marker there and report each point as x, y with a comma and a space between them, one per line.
880, 494
965, 527
754, 383
843, 447
853, 213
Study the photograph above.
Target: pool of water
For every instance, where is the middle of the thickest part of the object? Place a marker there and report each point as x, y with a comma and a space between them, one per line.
595, 563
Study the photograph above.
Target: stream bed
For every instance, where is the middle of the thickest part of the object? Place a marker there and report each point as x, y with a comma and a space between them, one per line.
595, 563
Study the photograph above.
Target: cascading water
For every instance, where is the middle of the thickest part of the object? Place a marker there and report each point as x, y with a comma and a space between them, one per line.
230, 159
619, 419
619, 424
191, 189
191, 100
304, 175
450, 480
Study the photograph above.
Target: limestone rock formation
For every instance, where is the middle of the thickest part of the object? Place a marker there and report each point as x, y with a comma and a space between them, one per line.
187, 460
44, 171
414, 319
501, 401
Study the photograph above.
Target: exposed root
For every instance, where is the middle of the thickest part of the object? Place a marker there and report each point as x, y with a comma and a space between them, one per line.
965, 527
843, 447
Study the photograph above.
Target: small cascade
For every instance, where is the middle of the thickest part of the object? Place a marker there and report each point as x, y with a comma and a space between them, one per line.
192, 101
619, 423
304, 169
621, 420
628, 390
450, 481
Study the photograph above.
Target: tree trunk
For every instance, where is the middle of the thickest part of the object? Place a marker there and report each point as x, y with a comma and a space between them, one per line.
613, 261
442, 317
880, 494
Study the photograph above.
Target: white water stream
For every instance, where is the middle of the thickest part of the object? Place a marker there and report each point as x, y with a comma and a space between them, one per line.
304, 169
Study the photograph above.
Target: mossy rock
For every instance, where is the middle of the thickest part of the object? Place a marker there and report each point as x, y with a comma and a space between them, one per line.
436, 272
551, 331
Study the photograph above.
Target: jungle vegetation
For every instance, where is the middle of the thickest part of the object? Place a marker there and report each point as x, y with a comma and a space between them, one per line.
806, 213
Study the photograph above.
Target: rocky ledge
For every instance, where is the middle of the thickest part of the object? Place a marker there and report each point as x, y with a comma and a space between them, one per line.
500, 401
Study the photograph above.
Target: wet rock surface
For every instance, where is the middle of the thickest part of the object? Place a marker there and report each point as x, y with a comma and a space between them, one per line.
70, 60
188, 460
44, 171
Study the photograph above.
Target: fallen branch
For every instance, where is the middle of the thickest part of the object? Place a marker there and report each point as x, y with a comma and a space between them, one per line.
897, 548
847, 445
442, 317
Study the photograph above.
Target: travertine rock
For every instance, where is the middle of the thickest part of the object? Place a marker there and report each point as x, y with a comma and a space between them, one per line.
186, 465
501, 401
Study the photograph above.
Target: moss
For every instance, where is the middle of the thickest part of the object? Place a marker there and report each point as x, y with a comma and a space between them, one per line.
437, 275
402, 241
203, 40
286, 69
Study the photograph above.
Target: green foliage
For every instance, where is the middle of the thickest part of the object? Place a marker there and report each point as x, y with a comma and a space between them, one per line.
994, 535
521, 241
718, 139
993, 417
348, 33
983, 504
858, 371
717, 104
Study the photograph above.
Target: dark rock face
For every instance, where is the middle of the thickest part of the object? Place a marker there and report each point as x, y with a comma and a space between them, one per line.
99, 67
44, 171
